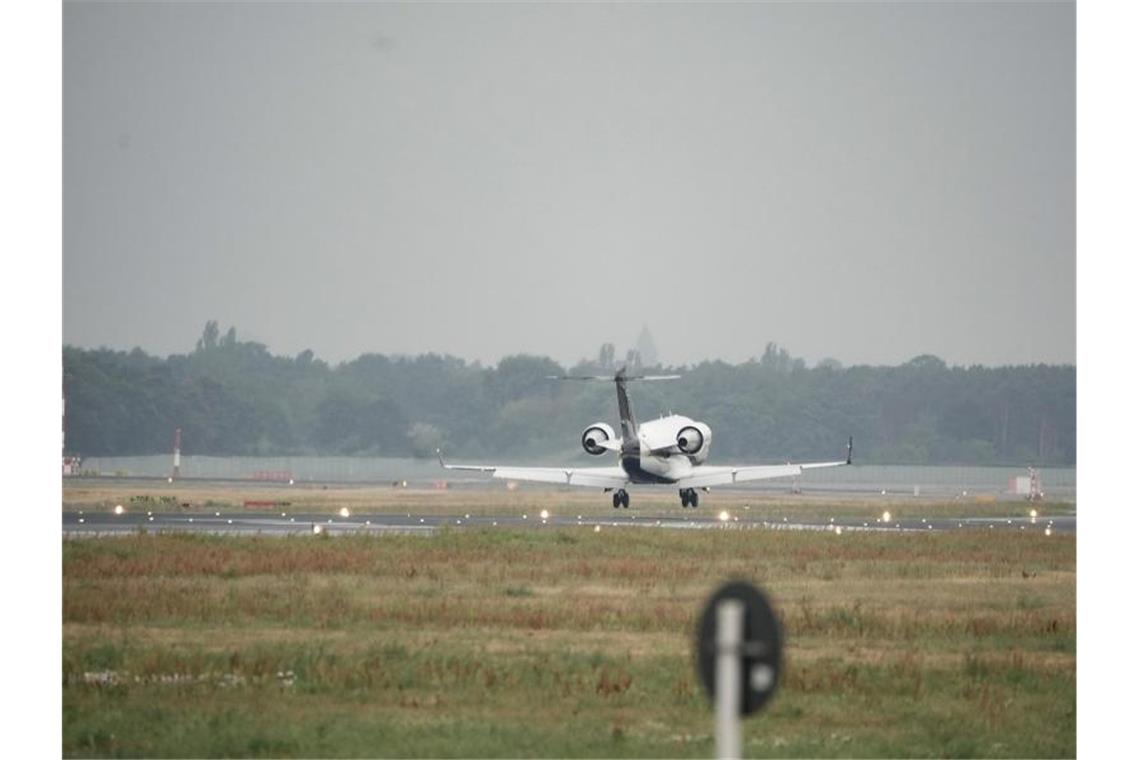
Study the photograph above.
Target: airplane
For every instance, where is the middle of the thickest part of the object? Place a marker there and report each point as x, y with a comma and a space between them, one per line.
671, 450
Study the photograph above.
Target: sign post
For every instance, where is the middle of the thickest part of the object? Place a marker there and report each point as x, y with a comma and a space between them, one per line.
738, 657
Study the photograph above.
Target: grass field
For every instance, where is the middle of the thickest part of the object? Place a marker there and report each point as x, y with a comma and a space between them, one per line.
561, 642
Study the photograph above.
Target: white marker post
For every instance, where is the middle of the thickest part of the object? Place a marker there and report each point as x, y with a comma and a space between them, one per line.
177, 471
729, 637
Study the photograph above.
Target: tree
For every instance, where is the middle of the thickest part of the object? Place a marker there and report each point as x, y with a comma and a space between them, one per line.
424, 438
606, 356
778, 360
245, 400
523, 375
209, 337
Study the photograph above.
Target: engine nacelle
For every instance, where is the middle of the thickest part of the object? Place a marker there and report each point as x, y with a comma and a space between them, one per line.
694, 439
594, 435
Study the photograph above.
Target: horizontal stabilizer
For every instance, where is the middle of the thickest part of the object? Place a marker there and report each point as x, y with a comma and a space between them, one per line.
610, 378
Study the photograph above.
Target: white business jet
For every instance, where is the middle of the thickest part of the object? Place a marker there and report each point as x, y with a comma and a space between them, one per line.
671, 451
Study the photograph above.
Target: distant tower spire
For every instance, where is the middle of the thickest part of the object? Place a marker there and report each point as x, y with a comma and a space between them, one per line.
647, 348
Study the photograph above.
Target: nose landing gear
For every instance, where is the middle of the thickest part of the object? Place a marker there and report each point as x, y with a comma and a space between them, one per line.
689, 497
621, 498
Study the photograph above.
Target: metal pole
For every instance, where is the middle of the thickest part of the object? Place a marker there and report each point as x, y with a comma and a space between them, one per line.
177, 471
729, 632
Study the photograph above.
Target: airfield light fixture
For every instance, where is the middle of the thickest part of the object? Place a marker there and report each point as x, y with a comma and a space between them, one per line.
544, 514
887, 516
1033, 513
119, 509
723, 516
838, 530
317, 529
344, 512
1048, 531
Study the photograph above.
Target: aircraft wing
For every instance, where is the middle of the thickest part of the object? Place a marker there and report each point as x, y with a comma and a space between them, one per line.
704, 475
593, 477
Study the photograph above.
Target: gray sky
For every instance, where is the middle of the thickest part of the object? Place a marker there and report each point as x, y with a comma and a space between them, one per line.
862, 181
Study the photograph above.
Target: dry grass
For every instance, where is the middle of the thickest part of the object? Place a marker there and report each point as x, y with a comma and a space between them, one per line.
562, 642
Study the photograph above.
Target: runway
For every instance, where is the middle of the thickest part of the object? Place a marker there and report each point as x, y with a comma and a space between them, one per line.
102, 523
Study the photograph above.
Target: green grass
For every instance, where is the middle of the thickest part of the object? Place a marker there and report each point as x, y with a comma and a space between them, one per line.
561, 643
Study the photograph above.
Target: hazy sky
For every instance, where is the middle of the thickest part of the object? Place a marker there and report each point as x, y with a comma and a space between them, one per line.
862, 181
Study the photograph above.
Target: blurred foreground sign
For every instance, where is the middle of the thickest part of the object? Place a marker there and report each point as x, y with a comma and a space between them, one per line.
739, 640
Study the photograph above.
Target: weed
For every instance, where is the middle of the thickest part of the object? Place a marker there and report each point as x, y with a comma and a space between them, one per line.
490, 643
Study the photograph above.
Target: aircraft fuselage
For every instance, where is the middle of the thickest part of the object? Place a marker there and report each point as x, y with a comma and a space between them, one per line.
656, 457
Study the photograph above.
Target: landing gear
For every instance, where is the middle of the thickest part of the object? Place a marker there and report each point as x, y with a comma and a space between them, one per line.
621, 498
689, 497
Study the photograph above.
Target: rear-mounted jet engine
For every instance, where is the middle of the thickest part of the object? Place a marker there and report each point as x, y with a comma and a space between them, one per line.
594, 436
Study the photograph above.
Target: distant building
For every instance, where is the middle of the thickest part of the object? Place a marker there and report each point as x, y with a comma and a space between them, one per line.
647, 348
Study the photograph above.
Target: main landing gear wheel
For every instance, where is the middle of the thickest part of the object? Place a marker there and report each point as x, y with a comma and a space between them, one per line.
621, 498
689, 497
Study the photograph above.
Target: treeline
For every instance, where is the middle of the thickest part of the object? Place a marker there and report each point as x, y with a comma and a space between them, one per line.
233, 397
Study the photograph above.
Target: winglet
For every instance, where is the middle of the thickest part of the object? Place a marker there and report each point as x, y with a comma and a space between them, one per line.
439, 454
850, 448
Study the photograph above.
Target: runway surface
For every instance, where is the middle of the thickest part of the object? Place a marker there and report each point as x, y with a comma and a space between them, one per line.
79, 523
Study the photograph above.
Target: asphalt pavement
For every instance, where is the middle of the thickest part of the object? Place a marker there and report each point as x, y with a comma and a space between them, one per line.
80, 523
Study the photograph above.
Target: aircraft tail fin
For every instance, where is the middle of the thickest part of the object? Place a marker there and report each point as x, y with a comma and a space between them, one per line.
630, 443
